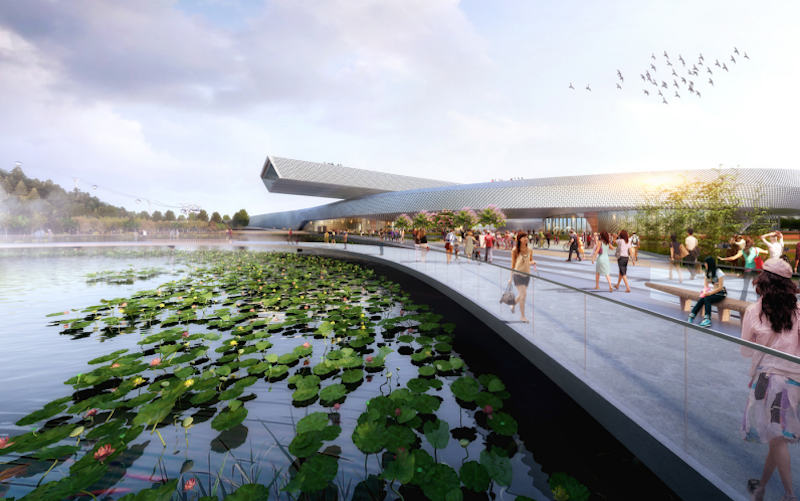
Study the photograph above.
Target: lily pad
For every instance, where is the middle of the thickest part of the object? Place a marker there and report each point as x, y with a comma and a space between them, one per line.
498, 467
443, 481
437, 433
352, 376
466, 388
474, 476
503, 424
574, 489
333, 392
370, 437
228, 419
316, 421
249, 492
314, 475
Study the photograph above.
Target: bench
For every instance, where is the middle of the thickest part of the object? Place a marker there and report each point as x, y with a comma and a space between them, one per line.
687, 297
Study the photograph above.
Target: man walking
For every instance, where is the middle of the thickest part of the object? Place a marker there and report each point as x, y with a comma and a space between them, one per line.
489, 241
573, 245
694, 251
635, 247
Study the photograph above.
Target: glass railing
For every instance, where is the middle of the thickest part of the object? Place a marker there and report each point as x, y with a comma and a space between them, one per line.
687, 384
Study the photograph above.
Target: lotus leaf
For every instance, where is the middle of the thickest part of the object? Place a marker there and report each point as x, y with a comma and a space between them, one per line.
442, 366
437, 433
418, 385
400, 436
33, 441
456, 363
51, 453
228, 419
361, 341
401, 395
277, 371
498, 467
315, 421
421, 356
406, 414
323, 368
225, 370
249, 492
443, 481
314, 475
110, 428
443, 347
184, 373
370, 437
263, 345
466, 388
333, 392
352, 376
485, 398
245, 382
271, 358
161, 493
205, 383
305, 444
259, 368
41, 414
503, 424
106, 358
425, 404
574, 489
287, 358
405, 338
474, 476
305, 393
401, 469
427, 370
154, 412
423, 340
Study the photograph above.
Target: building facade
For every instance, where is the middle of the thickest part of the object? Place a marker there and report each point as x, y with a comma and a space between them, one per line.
371, 200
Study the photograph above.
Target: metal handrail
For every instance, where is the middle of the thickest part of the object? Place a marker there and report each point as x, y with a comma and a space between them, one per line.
720, 335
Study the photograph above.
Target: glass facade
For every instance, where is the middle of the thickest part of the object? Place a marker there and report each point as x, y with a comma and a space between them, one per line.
562, 224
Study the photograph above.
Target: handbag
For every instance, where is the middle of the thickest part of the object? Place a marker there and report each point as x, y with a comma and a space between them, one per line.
508, 296
618, 253
683, 252
759, 263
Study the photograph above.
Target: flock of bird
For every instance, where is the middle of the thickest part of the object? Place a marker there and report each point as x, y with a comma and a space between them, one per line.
679, 82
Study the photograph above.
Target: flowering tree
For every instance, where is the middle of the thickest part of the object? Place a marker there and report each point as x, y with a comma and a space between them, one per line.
492, 216
403, 222
444, 219
466, 217
424, 219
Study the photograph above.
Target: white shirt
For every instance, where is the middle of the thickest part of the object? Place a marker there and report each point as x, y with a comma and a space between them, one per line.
775, 249
623, 247
691, 243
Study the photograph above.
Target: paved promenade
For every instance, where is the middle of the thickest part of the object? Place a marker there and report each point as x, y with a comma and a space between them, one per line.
686, 386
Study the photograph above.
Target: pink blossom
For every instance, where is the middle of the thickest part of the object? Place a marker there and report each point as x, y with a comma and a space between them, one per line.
306, 345
114, 366
103, 453
336, 407
4, 443
369, 359
487, 409
189, 485
185, 334
66, 313
397, 412
155, 362
90, 413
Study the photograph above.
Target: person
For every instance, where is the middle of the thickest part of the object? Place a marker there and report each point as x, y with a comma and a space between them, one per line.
796, 256
713, 291
469, 245
573, 246
694, 252
775, 244
548, 238
416, 244
771, 411
289, 236
622, 261
344, 238
489, 242
634, 250
749, 252
675, 257
581, 251
49, 235
448, 244
423, 243
521, 260
541, 238
601, 252
327, 237
456, 243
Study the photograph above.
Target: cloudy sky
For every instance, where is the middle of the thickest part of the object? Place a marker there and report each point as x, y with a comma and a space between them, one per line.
181, 101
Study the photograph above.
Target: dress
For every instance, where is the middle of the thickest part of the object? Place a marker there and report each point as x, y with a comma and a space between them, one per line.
602, 267
523, 264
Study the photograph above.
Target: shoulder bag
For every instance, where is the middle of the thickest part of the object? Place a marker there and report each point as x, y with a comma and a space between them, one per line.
508, 296
683, 252
618, 253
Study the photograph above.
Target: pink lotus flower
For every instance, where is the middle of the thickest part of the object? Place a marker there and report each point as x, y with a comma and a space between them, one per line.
66, 313
306, 345
154, 362
306, 362
397, 412
252, 310
369, 359
194, 306
114, 366
4, 443
103, 453
90, 413
124, 305
306, 307
189, 485
185, 334
336, 407
488, 409
369, 379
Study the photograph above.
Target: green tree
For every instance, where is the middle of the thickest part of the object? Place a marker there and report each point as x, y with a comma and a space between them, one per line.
169, 216
69, 225
403, 222
21, 190
226, 217
424, 219
466, 218
241, 218
181, 218
203, 216
33, 195
158, 216
216, 218
144, 215
444, 219
492, 216
5, 188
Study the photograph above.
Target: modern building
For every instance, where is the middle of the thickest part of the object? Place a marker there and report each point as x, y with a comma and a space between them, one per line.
371, 200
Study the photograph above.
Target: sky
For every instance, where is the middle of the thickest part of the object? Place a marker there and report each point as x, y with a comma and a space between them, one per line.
182, 100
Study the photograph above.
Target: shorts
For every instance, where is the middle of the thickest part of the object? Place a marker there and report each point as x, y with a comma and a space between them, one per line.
522, 280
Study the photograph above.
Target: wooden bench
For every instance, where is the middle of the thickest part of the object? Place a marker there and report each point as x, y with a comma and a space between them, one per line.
687, 297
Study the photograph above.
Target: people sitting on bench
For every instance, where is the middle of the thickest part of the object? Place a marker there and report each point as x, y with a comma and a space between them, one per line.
713, 291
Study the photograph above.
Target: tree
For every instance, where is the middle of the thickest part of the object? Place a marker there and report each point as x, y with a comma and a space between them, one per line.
69, 224
424, 219
158, 216
216, 218
492, 216
181, 218
33, 195
226, 217
169, 216
202, 216
444, 219
5, 188
466, 218
21, 190
403, 222
241, 218
144, 215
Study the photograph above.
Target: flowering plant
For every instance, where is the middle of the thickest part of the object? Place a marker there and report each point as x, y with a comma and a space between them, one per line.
466, 217
403, 222
492, 216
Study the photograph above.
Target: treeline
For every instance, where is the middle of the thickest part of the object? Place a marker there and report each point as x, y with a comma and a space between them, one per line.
27, 205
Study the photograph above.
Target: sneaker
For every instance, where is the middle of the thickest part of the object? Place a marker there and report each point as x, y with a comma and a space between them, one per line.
706, 322
690, 319
755, 489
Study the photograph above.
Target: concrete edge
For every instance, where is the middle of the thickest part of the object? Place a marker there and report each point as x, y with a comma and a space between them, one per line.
681, 472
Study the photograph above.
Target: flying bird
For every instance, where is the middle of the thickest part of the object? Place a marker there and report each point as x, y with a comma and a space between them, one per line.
701, 57
709, 71
660, 94
654, 68
587, 88
618, 87
653, 56
716, 63
694, 67
646, 93
698, 93
571, 87
675, 83
734, 60
664, 101
724, 67
664, 84
691, 84
746, 56
677, 95
683, 80
642, 77
668, 63
735, 51
674, 74
680, 58
700, 62
665, 54
711, 82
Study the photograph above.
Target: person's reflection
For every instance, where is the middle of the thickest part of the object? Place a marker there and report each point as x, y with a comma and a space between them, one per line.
771, 415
